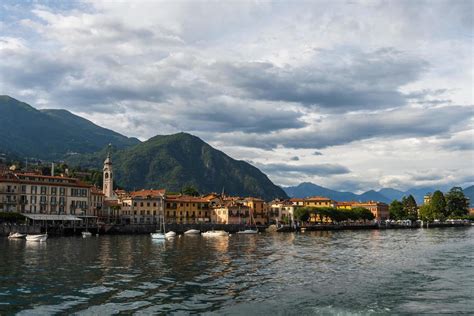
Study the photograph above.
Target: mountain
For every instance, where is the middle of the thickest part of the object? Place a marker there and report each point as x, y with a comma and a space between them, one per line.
469, 192
175, 161
392, 194
386, 195
307, 189
51, 134
373, 196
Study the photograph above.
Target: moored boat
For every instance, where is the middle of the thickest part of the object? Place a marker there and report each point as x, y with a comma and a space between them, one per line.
170, 234
86, 234
40, 237
158, 235
215, 233
248, 232
192, 232
16, 235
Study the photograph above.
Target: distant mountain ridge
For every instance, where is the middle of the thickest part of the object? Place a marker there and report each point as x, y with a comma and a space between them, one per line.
385, 195
51, 134
307, 189
174, 161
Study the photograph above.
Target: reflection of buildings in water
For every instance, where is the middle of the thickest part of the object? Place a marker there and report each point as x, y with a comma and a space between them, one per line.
33, 251
220, 244
247, 244
323, 233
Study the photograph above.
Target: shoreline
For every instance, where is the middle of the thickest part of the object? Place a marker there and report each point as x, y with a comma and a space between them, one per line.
142, 229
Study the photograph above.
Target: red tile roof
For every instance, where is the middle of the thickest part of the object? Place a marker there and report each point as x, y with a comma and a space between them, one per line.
146, 193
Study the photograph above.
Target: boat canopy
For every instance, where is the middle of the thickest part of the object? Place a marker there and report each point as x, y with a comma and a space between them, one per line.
50, 217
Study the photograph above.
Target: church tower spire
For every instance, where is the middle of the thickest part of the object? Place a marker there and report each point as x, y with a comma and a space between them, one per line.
108, 186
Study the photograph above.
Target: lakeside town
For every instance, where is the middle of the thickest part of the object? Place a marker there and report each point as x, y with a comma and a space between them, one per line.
63, 203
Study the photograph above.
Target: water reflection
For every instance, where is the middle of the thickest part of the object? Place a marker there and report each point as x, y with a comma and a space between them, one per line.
396, 271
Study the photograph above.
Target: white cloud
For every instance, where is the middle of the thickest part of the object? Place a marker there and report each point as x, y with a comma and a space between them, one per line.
383, 89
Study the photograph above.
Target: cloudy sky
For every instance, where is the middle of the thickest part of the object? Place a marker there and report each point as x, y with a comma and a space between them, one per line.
352, 95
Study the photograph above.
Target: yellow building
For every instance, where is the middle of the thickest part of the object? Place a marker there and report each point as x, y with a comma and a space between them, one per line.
318, 201
258, 210
344, 205
188, 209
427, 199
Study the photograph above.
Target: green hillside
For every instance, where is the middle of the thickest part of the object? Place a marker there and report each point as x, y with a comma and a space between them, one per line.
50, 134
178, 160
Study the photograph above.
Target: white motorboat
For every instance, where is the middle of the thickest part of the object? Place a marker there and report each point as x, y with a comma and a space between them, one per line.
158, 236
192, 232
40, 237
215, 233
170, 234
248, 231
16, 236
86, 234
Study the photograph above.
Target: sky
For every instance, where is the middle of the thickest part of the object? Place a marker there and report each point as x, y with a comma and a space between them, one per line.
351, 95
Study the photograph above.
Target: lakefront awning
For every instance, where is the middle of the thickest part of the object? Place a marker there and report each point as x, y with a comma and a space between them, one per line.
48, 217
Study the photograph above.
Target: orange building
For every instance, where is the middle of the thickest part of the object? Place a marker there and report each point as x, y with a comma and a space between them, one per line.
188, 209
379, 209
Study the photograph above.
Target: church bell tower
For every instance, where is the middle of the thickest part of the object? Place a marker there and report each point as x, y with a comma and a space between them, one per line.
108, 187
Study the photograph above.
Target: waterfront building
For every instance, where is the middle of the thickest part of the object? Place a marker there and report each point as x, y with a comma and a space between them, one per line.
38, 194
188, 209
96, 201
298, 202
281, 212
379, 209
344, 205
141, 207
258, 209
318, 201
232, 213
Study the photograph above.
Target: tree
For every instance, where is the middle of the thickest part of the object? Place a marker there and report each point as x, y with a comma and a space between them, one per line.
427, 213
190, 190
302, 214
363, 213
410, 208
438, 205
457, 204
396, 210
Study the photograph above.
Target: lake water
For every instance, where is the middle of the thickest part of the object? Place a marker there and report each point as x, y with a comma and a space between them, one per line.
416, 271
